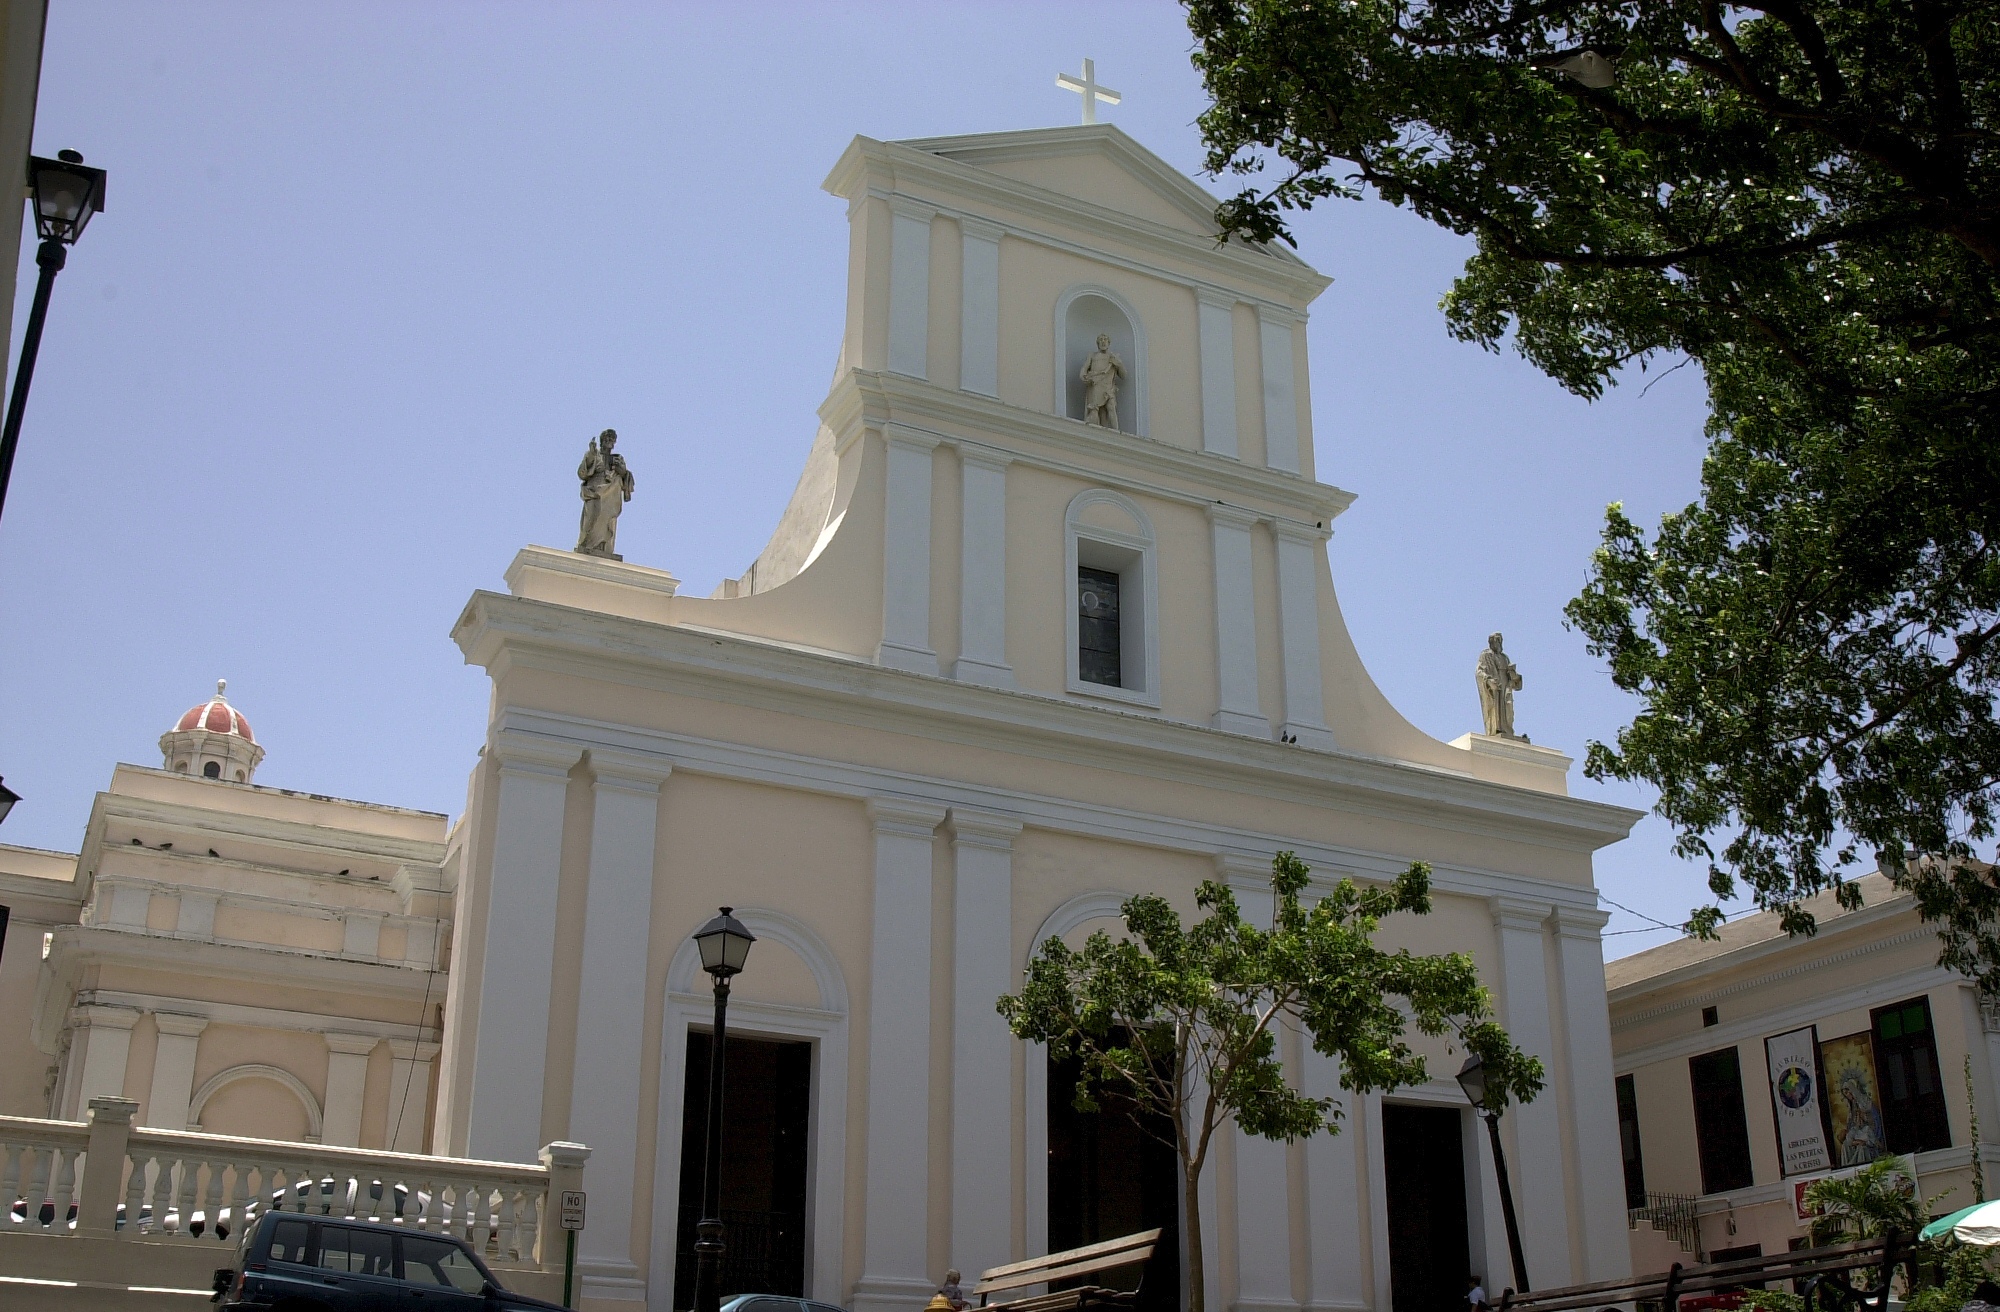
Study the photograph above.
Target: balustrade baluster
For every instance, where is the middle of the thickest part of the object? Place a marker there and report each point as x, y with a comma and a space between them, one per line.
10, 1175
63, 1194
187, 1173
238, 1197
42, 1171
135, 1188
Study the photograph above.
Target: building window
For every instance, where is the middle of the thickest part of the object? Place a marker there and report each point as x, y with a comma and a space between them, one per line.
1097, 636
1722, 1136
1111, 632
1906, 1068
213, 770
1628, 1143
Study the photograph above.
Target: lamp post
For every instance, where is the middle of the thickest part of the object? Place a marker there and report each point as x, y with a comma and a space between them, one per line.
7, 799
724, 944
1472, 1079
66, 194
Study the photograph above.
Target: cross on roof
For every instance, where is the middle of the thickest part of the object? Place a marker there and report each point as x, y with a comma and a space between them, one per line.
1087, 87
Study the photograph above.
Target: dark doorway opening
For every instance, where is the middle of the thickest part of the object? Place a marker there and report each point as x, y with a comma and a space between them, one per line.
766, 1116
1429, 1250
1109, 1177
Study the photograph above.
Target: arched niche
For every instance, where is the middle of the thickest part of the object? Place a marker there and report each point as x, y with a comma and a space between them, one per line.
258, 1071
1081, 314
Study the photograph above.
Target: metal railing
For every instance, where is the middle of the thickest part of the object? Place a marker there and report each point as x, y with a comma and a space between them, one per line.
1671, 1214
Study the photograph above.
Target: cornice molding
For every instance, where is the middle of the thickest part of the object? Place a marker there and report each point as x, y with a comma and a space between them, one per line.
987, 829
733, 669
861, 399
1830, 929
905, 816
1629, 1019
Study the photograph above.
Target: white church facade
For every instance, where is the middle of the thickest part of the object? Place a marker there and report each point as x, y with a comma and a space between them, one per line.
999, 668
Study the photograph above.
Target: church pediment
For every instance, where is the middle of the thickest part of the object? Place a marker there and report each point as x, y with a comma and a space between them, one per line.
1095, 163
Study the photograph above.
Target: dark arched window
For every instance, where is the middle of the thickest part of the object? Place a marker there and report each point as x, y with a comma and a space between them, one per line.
212, 770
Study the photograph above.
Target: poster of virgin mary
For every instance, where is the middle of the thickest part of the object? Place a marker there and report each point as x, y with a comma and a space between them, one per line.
1854, 1104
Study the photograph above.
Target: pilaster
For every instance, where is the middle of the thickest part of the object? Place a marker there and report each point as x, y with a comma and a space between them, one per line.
1333, 1195
1299, 551
982, 846
510, 1046
1281, 404
409, 1095
979, 307
982, 614
1542, 1202
894, 1276
909, 289
611, 1011
1607, 1253
1215, 317
1237, 707
906, 553
101, 1046
173, 1070
346, 1085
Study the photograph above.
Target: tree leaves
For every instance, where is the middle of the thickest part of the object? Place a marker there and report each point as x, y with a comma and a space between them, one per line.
1806, 202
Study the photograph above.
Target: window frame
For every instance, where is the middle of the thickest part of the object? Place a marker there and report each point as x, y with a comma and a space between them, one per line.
1906, 1121
1708, 1150
1093, 546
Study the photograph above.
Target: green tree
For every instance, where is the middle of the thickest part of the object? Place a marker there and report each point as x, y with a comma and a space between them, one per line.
1183, 1019
1877, 1200
1803, 199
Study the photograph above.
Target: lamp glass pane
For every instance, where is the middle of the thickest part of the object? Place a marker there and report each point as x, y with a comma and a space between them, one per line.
736, 950
1472, 1079
711, 950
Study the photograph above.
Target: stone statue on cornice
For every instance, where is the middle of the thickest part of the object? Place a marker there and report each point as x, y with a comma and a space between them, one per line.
1100, 375
607, 486
1498, 682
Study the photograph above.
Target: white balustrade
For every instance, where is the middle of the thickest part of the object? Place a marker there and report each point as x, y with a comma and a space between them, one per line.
184, 1187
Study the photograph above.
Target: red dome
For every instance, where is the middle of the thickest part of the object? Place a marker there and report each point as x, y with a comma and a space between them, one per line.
216, 716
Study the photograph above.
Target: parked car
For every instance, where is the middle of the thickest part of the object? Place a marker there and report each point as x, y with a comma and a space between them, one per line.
293, 1263
774, 1303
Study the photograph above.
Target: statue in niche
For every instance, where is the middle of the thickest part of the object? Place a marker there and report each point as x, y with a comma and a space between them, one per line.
1498, 682
607, 486
1100, 375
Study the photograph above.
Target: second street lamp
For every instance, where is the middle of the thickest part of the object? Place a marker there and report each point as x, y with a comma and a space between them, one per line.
1472, 1079
66, 194
725, 945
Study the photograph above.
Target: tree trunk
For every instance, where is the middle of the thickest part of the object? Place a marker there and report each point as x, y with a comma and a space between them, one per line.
1197, 1291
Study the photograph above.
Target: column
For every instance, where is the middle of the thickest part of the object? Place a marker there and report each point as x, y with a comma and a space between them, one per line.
1535, 1162
102, 1042
1237, 707
982, 591
1368, 1118
346, 1084
611, 1012
894, 1275
906, 552
979, 308
1216, 320
982, 1050
1607, 1253
909, 290
1263, 1199
173, 1070
1333, 1210
517, 968
409, 1095
1281, 406
1299, 552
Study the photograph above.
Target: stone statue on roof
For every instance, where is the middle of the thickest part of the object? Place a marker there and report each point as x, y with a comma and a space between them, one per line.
607, 486
1498, 682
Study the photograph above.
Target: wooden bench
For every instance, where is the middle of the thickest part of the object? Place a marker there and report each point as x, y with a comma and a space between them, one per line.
1818, 1273
1088, 1260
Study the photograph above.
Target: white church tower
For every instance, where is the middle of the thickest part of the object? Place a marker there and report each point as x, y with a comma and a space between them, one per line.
1025, 642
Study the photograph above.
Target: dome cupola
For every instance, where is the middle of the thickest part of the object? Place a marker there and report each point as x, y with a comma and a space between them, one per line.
212, 740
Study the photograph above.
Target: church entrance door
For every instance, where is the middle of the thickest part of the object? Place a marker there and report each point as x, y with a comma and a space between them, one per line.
1429, 1245
1111, 1174
766, 1118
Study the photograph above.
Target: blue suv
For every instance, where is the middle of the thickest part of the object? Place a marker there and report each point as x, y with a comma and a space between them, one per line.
293, 1263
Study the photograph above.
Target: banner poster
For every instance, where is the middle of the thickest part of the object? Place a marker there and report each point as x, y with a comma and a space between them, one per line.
1794, 1062
1853, 1103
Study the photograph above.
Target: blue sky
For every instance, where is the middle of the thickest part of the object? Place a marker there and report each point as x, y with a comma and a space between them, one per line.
372, 274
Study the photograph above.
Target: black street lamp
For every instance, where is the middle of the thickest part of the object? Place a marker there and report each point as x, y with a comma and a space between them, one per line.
66, 194
7, 799
1472, 1079
724, 944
